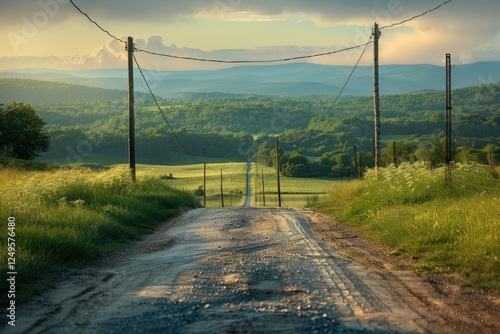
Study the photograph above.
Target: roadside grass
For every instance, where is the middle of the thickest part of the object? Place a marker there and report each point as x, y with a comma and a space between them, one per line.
65, 219
295, 192
443, 228
190, 179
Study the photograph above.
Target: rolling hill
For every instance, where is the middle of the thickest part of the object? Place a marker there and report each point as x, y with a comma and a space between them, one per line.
295, 78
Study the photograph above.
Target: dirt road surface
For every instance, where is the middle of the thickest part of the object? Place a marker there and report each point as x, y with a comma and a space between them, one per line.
250, 270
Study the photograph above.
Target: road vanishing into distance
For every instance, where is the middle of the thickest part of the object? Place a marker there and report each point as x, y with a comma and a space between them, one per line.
253, 270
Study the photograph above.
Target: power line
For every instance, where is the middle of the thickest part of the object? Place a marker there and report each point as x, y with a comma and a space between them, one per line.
94, 22
253, 61
336, 98
219, 60
416, 16
166, 120
163, 114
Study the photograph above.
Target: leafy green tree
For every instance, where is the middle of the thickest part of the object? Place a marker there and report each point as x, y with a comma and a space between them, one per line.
343, 164
296, 165
437, 153
21, 134
273, 158
263, 154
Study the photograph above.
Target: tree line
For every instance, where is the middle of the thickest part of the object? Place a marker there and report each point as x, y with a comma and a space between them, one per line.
235, 126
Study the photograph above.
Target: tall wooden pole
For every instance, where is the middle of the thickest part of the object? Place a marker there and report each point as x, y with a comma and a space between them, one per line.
448, 117
263, 190
278, 170
356, 161
205, 185
221, 189
376, 98
360, 164
131, 118
395, 154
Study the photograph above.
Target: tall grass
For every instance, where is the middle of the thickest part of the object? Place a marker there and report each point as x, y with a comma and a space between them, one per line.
67, 218
443, 227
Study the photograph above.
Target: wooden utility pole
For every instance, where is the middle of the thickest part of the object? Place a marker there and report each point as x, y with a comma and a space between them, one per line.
448, 117
360, 164
263, 190
395, 154
356, 167
131, 119
373, 149
376, 99
205, 185
278, 170
221, 189
256, 184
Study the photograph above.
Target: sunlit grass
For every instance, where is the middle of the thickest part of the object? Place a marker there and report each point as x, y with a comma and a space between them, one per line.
67, 218
446, 227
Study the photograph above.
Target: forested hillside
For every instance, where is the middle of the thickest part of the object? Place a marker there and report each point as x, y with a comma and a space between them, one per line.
38, 92
216, 125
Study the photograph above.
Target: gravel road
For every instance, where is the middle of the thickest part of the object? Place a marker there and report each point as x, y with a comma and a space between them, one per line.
246, 270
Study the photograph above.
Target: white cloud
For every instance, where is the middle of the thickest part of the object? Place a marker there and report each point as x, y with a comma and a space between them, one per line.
113, 55
462, 27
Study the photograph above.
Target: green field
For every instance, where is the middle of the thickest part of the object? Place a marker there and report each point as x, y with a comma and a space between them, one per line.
295, 192
97, 160
190, 178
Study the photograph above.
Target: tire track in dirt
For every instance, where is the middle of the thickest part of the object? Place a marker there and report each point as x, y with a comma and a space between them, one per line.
232, 271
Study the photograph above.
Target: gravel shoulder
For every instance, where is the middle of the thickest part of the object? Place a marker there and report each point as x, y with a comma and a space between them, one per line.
252, 270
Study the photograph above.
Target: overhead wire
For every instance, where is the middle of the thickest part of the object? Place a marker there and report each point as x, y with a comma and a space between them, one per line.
162, 113
416, 16
168, 123
257, 61
253, 61
97, 24
336, 98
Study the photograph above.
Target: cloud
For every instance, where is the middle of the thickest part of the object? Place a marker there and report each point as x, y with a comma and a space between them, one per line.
110, 55
462, 27
156, 44
113, 55
333, 12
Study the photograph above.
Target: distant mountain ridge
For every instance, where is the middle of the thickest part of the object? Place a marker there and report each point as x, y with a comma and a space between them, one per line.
285, 79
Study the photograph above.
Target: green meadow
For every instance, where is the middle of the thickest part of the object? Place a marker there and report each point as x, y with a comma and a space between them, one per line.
190, 179
295, 192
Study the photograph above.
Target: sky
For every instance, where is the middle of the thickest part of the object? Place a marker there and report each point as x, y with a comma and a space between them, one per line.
54, 34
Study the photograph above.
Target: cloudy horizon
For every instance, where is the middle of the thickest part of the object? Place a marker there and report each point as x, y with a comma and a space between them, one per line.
53, 34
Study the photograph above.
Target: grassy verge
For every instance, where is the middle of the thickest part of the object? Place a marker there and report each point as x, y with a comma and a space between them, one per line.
68, 218
443, 228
